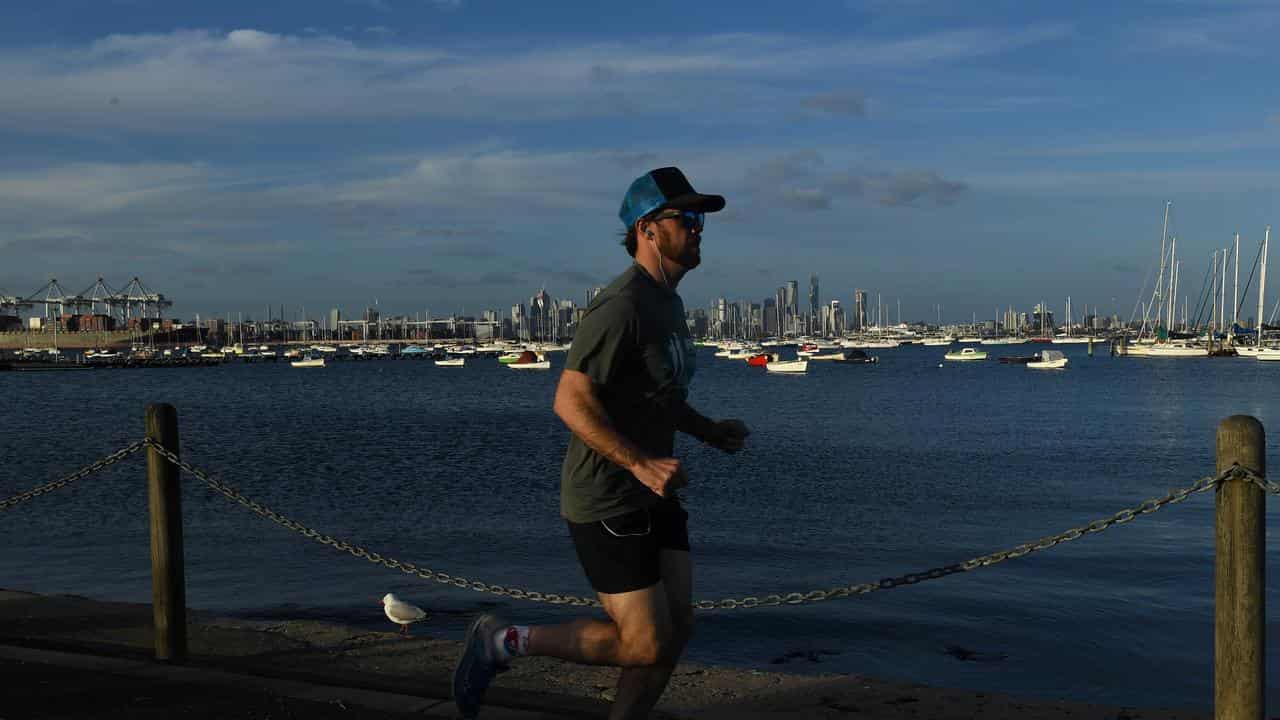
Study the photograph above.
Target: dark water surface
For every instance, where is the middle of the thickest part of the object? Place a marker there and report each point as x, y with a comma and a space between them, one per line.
852, 473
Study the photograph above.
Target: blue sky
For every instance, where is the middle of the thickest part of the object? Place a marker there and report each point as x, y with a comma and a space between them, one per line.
459, 155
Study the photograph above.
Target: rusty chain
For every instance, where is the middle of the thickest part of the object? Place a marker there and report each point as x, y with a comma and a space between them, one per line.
83, 472
1204, 484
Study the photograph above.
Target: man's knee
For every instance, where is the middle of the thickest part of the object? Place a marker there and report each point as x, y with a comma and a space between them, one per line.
650, 646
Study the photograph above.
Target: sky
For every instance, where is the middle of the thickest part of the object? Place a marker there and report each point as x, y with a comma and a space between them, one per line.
458, 155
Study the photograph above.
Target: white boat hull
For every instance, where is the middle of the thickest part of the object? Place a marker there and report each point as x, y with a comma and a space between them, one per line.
1167, 351
317, 362
455, 362
1048, 365
543, 365
966, 355
790, 366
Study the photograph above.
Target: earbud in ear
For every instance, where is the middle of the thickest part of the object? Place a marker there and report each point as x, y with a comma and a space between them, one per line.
649, 233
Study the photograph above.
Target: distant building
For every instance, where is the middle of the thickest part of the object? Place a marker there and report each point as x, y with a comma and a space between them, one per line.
565, 326
592, 293
769, 317
519, 322
832, 319
697, 321
490, 326
542, 317
335, 318
859, 310
1042, 318
791, 326
813, 297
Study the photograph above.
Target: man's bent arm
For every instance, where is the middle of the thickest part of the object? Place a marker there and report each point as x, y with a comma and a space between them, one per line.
692, 422
581, 410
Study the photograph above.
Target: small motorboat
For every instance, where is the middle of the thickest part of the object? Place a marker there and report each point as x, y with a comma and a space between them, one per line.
530, 360
965, 355
308, 362
854, 357
1049, 360
452, 362
763, 359
788, 366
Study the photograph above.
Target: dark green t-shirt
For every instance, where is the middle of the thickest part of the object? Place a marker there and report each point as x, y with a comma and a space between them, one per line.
634, 345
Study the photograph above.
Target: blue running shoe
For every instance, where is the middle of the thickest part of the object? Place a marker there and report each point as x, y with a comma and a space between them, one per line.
478, 665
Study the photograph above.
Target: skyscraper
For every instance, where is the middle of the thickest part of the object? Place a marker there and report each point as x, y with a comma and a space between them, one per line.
813, 297
793, 307
859, 310
833, 325
542, 317
519, 323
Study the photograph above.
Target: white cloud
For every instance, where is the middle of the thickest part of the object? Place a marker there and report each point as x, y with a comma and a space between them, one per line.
196, 79
1222, 30
97, 187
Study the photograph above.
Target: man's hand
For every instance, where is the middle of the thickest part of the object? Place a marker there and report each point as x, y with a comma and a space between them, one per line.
728, 435
661, 475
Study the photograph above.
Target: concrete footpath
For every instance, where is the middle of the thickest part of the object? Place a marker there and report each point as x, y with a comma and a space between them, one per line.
70, 657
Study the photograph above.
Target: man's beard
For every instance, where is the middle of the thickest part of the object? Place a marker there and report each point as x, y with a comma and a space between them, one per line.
689, 259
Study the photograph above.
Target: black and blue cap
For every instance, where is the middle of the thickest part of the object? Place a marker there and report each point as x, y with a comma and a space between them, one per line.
661, 189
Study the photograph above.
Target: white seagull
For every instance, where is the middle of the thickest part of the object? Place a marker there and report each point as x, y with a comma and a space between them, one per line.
401, 612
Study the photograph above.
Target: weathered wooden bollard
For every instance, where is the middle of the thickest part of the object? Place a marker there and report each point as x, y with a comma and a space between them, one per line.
1239, 669
164, 491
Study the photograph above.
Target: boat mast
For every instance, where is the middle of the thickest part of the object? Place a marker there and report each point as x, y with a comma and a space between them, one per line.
1235, 287
1262, 282
1173, 254
1213, 295
1156, 294
1222, 307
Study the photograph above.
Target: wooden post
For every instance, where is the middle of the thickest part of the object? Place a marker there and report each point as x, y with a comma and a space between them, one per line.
168, 584
1239, 670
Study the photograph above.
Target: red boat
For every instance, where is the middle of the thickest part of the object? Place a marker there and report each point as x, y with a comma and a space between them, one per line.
762, 359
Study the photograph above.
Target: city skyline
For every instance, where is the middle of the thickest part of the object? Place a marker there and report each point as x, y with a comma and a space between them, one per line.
437, 154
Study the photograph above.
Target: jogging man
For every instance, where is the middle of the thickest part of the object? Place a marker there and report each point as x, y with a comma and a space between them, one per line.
623, 395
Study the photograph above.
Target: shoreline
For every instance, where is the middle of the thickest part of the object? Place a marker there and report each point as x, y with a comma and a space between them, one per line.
357, 657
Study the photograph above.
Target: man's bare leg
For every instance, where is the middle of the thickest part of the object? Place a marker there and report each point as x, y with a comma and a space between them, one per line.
639, 688
639, 634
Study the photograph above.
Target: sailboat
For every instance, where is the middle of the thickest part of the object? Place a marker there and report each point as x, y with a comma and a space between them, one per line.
1067, 338
1158, 343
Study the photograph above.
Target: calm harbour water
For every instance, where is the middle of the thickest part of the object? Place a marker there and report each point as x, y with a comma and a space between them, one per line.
852, 473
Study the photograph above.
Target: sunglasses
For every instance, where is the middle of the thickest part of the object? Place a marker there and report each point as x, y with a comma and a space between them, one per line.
692, 221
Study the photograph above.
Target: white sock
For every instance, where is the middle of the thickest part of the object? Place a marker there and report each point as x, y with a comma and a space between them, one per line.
510, 642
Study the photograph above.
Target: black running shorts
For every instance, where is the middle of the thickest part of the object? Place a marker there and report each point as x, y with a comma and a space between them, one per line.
624, 552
